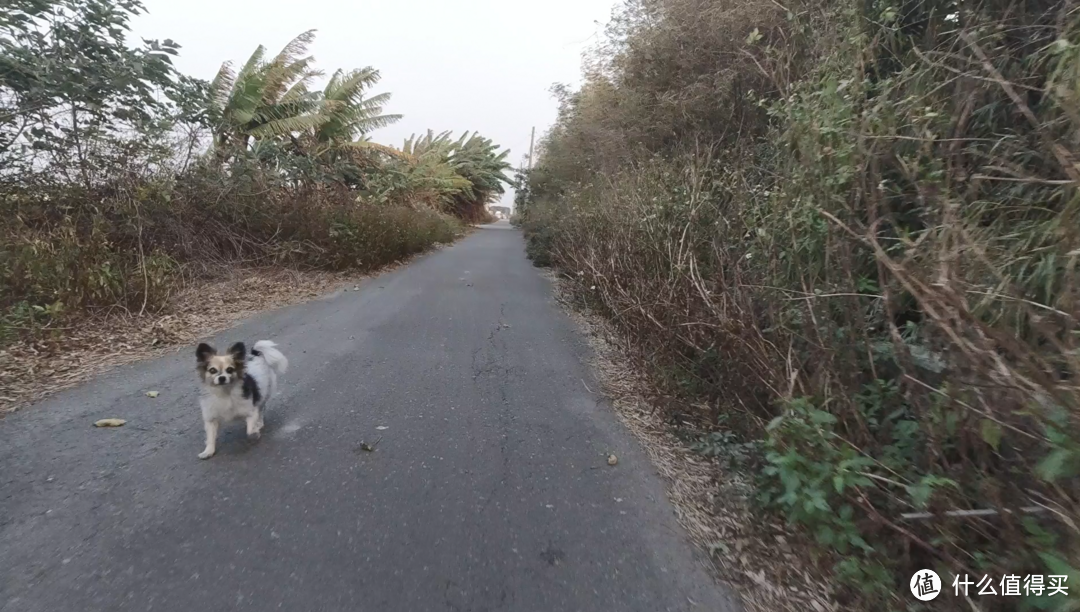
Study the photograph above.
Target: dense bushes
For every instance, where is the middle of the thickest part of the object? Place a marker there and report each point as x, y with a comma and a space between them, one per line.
140, 238
120, 178
853, 237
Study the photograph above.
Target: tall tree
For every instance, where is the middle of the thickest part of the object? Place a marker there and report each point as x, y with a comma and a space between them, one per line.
68, 78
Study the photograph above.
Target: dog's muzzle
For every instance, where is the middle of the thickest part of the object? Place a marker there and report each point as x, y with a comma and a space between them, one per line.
221, 380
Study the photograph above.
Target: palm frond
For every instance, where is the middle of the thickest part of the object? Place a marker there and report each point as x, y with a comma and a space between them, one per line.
286, 126
221, 85
295, 48
350, 86
288, 66
253, 64
381, 148
244, 99
299, 89
375, 102
349, 113
365, 124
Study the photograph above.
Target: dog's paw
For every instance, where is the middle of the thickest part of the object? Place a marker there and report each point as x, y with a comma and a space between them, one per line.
255, 435
206, 454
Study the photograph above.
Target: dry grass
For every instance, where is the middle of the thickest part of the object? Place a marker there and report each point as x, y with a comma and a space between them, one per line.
762, 560
867, 268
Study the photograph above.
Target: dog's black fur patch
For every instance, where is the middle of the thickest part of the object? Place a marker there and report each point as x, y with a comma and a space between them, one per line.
251, 389
204, 351
238, 352
202, 354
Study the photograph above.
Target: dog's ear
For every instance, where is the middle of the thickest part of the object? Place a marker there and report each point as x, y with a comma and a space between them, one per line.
238, 352
204, 352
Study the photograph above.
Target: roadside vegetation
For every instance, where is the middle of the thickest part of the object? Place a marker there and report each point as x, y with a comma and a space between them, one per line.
122, 180
844, 238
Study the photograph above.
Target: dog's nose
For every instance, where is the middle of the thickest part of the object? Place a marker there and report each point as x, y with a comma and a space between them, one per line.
221, 380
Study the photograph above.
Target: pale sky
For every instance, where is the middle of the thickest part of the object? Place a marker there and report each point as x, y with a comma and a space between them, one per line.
450, 64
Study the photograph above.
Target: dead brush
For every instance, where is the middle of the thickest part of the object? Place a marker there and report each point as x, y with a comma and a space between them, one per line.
879, 282
130, 244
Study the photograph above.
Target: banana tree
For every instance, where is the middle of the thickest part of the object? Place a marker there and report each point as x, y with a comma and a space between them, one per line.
457, 175
348, 116
348, 113
266, 98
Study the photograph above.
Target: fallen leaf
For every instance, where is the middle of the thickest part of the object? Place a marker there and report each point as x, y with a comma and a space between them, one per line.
109, 423
367, 447
382, 427
758, 577
612, 460
151, 394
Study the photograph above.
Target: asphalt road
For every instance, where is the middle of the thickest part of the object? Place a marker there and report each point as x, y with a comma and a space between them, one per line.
488, 488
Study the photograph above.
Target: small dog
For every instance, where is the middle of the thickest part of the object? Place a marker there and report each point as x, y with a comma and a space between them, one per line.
236, 386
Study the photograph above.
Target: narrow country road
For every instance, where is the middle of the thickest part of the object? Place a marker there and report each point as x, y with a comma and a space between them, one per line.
488, 489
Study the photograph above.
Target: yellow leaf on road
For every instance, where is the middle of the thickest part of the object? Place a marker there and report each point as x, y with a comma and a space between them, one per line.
151, 394
109, 423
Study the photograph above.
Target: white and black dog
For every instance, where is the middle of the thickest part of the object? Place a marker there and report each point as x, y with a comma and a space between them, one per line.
236, 385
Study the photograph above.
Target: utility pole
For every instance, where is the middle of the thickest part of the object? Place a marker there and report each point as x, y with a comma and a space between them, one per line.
531, 138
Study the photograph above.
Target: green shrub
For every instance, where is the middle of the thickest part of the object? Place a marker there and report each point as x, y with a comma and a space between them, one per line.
539, 236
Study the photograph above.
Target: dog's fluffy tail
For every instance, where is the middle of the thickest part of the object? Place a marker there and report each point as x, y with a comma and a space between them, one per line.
273, 357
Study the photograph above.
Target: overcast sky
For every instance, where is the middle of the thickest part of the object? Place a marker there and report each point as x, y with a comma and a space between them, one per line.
450, 64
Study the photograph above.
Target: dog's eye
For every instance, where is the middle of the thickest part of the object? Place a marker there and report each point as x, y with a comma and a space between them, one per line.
213, 370
229, 370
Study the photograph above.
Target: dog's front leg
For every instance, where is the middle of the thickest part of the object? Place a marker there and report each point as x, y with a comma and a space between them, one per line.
254, 425
211, 439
